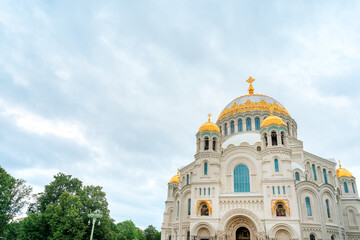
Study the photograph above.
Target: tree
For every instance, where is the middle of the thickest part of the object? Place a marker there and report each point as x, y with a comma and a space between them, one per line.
34, 227
64, 218
151, 233
126, 230
13, 196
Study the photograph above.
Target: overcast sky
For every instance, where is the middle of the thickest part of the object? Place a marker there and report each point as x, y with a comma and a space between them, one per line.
113, 92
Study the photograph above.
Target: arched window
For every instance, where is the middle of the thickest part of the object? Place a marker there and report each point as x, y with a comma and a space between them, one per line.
209, 191
276, 162
241, 179
284, 191
308, 207
214, 144
273, 190
226, 130
188, 235
312, 237
169, 237
204, 210
206, 146
178, 208
189, 206
205, 168
273, 138
297, 177
257, 123
288, 127
232, 127
282, 138
352, 218
266, 140
346, 187
280, 210
327, 208
332, 237
240, 125
314, 172
248, 124
187, 179
325, 176
204, 191
200, 191
353, 187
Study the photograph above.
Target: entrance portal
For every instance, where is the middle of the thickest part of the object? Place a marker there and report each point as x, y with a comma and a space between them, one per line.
242, 233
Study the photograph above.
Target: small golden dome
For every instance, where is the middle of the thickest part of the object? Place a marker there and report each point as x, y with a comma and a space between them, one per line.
209, 126
343, 172
175, 178
272, 120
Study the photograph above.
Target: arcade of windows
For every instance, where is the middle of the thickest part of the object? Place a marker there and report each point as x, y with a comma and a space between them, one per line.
274, 138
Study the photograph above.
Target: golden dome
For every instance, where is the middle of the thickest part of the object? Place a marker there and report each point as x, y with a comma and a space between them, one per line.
175, 178
272, 120
343, 172
209, 126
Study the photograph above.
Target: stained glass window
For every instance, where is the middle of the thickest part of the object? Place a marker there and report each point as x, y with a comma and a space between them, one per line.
257, 123
232, 126
241, 179
276, 165
205, 168
189, 206
240, 125
308, 206
248, 124
314, 172
274, 190
187, 179
346, 187
327, 208
325, 176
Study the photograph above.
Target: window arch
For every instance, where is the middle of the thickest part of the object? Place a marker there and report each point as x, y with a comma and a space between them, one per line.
205, 168
214, 144
240, 125
206, 145
327, 208
332, 237
314, 172
346, 187
274, 139
276, 163
188, 235
241, 179
297, 176
248, 124
226, 129
232, 127
312, 237
325, 176
257, 123
308, 206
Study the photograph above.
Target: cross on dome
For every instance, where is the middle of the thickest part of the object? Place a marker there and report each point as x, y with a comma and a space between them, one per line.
209, 115
251, 88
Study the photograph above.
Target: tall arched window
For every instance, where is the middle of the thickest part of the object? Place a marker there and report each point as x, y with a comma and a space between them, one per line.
308, 207
189, 206
325, 176
332, 237
178, 208
314, 172
214, 144
205, 168
273, 138
346, 187
187, 179
297, 177
266, 140
257, 123
327, 208
209, 191
282, 138
232, 126
276, 163
248, 124
206, 146
353, 187
312, 237
241, 179
204, 191
226, 129
240, 125
200, 191
188, 235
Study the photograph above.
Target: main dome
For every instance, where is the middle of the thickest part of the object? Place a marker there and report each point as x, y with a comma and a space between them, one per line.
252, 102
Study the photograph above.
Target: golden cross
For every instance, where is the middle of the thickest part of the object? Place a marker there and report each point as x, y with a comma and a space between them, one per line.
251, 88
209, 115
339, 164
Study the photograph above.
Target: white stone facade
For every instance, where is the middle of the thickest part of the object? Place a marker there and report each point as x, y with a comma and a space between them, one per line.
275, 205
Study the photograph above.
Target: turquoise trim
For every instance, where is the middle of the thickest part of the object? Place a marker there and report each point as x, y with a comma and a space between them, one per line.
248, 114
267, 129
210, 134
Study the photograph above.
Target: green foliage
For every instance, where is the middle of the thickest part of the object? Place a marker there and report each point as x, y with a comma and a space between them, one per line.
13, 196
13, 231
151, 233
64, 218
126, 230
34, 227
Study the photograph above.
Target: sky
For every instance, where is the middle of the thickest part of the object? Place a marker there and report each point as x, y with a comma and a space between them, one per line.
113, 92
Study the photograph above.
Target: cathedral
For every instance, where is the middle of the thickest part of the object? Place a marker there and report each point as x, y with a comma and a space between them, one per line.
252, 179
